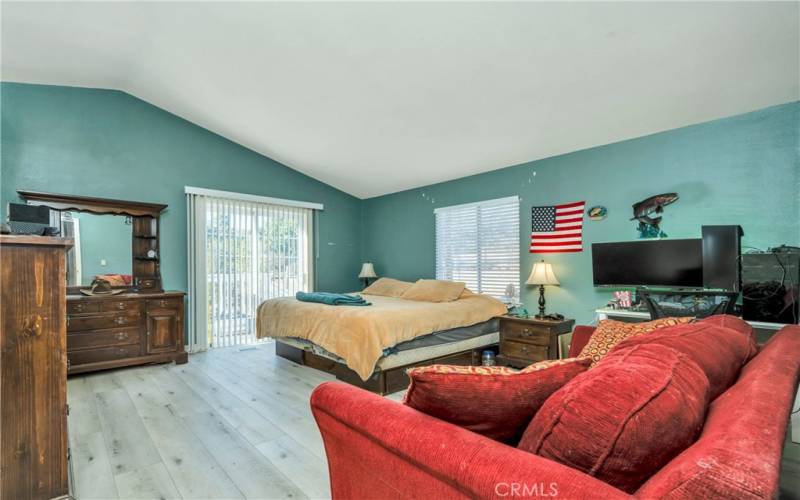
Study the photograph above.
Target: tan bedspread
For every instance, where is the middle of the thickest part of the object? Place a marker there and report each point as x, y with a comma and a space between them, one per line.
360, 334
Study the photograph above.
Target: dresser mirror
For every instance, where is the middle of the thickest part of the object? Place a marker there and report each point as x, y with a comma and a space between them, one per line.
102, 247
116, 240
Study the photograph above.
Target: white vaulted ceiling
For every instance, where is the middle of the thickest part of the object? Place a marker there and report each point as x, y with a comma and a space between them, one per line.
374, 98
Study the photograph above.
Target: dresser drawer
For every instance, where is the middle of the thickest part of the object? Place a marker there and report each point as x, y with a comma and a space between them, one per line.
120, 305
82, 306
102, 321
520, 350
102, 354
170, 303
523, 332
103, 338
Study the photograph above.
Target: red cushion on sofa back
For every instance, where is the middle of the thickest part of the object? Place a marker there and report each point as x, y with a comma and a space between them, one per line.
738, 454
625, 418
720, 352
493, 401
737, 324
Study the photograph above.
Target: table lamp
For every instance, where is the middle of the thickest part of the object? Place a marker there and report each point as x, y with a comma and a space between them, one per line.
367, 272
542, 274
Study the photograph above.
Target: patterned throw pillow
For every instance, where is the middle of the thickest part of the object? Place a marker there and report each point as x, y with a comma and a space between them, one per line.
494, 401
609, 333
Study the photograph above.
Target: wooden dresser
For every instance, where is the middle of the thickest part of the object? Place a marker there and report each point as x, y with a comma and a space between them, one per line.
33, 367
111, 331
524, 341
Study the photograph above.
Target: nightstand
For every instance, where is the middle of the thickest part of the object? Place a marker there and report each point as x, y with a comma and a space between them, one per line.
524, 341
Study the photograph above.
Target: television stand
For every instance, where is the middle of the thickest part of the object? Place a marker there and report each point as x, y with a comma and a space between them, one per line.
636, 316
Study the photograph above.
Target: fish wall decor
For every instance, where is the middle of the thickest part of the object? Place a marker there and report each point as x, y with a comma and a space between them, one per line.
649, 227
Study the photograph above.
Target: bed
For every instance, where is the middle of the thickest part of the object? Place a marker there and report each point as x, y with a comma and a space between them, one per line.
372, 346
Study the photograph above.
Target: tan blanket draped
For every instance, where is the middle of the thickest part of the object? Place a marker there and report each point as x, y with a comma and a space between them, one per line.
360, 334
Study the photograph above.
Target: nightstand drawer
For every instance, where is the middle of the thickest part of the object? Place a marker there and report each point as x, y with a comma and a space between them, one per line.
524, 332
524, 351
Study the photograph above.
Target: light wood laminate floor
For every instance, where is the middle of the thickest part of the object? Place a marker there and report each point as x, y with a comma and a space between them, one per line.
232, 423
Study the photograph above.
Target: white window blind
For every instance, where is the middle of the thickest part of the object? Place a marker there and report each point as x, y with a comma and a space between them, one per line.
478, 243
243, 252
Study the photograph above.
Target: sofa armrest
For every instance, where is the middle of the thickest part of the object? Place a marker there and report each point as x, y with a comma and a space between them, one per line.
390, 450
580, 336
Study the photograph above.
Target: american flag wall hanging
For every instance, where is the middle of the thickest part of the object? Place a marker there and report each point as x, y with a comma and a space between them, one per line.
558, 228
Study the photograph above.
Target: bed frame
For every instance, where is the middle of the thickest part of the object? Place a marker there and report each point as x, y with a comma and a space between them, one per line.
383, 381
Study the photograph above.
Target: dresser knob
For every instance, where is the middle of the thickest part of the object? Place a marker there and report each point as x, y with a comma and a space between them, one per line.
121, 335
121, 305
79, 307
163, 303
121, 320
526, 332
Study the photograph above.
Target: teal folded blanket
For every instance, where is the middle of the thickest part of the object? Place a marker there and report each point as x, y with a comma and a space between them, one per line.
332, 299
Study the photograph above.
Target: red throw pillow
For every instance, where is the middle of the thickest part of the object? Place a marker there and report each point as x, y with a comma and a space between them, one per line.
720, 352
493, 401
625, 418
737, 324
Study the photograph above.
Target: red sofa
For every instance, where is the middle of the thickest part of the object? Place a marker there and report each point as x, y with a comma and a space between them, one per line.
378, 448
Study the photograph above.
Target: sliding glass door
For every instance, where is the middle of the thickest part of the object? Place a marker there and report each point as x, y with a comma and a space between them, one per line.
252, 252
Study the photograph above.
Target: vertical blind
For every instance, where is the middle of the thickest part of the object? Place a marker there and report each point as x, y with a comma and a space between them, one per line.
478, 243
244, 253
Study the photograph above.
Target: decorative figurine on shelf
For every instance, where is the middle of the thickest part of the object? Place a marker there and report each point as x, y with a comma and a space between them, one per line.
649, 227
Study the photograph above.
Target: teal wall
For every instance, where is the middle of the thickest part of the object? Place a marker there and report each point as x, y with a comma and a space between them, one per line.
104, 237
109, 144
741, 170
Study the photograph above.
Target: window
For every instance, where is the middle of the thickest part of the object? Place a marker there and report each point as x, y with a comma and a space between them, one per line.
478, 243
243, 250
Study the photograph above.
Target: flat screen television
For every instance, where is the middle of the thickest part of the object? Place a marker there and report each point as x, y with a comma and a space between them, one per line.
655, 263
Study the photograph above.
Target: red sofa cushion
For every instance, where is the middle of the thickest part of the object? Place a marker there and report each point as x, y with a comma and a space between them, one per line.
737, 324
493, 401
625, 418
720, 352
739, 451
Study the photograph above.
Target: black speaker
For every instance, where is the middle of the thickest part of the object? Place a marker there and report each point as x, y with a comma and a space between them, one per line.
722, 250
18, 212
29, 219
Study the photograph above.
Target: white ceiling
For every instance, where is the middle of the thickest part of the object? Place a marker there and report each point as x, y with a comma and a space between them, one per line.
374, 98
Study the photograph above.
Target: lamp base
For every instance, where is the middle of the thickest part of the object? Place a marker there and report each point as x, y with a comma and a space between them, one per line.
541, 303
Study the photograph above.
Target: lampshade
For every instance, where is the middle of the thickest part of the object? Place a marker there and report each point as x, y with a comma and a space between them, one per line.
367, 271
542, 274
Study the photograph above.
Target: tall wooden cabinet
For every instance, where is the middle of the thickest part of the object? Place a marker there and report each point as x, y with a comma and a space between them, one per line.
33, 367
